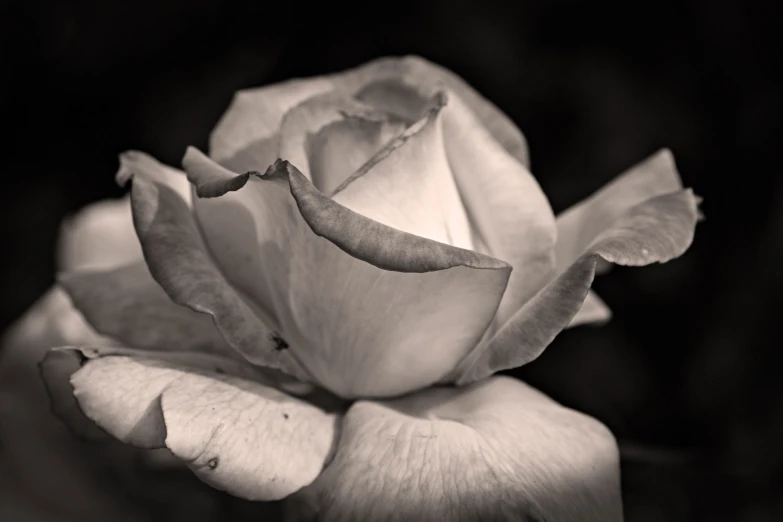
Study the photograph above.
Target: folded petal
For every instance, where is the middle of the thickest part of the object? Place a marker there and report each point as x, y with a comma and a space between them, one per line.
509, 214
370, 310
178, 260
127, 304
580, 224
100, 236
495, 450
235, 433
658, 230
244, 139
329, 137
408, 185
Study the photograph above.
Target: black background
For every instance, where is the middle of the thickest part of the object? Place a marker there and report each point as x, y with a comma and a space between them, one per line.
687, 374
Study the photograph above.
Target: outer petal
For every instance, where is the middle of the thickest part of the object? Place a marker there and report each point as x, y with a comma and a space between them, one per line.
246, 136
658, 230
100, 236
255, 114
236, 434
127, 304
371, 310
496, 450
580, 224
179, 262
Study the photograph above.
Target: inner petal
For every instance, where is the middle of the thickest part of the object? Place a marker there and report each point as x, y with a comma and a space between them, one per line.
409, 185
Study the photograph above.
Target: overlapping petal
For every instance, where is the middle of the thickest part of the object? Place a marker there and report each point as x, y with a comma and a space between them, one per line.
178, 260
509, 215
362, 303
125, 303
657, 230
235, 433
494, 450
242, 138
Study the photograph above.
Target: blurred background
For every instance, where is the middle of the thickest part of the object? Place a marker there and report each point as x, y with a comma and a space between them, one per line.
687, 374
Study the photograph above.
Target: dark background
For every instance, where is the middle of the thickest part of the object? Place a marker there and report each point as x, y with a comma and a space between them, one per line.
687, 374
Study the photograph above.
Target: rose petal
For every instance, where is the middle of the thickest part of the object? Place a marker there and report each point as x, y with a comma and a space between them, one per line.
510, 216
496, 450
393, 68
409, 186
329, 137
245, 136
593, 310
236, 434
100, 236
134, 162
363, 303
658, 230
127, 304
507, 208
179, 262
580, 224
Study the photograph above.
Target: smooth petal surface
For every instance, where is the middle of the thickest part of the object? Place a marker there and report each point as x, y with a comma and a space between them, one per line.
370, 310
580, 224
246, 137
126, 304
235, 433
179, 262
408, 186
658, 230
100, 236
329, 137
510, 216
241, 139
496, 450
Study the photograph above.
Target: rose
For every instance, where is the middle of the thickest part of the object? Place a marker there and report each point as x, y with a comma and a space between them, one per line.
375, 264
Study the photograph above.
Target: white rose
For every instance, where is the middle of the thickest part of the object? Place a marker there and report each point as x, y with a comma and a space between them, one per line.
399, 247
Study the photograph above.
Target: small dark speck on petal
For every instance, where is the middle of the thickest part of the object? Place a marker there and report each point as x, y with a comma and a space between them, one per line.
213, 463
285, 415
220, 371
278, 341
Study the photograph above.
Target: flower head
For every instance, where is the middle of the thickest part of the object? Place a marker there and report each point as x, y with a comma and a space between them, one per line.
376, 237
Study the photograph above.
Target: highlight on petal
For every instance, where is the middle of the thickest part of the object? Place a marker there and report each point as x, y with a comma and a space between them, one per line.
408, 185
179, 262
244, 139
100, 236
360, 302
495, 450
329, 137
658, 230
126, 304
234, 432
373, 75
509, 214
